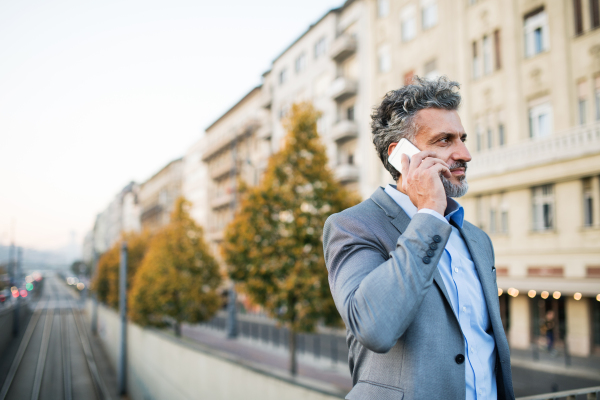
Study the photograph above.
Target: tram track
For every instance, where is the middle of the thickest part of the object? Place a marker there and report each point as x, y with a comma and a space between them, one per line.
35, 369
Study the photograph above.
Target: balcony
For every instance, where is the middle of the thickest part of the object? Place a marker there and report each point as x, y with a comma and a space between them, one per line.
223, 200
343, 88
218, 143
342, 48
346, 173
344, 130
573, 143
221, 170
264, 132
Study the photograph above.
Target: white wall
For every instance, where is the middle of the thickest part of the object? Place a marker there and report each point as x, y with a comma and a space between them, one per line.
163, 367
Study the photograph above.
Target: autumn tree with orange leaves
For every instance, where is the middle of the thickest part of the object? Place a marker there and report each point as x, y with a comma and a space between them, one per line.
273, 247
178, 278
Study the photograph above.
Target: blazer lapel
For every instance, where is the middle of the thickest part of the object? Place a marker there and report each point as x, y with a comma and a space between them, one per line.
400, 221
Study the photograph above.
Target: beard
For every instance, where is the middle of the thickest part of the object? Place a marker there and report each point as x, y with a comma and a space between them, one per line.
459, 189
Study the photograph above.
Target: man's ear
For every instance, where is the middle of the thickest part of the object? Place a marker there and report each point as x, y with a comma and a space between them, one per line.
391, 148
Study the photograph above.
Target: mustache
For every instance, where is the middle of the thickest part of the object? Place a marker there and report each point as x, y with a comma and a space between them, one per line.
458, 164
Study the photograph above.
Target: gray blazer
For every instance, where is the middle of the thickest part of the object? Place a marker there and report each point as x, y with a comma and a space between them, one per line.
404, 339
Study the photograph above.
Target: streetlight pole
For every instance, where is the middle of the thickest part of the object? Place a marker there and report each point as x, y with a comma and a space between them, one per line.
123, 318
232, 330
94, 295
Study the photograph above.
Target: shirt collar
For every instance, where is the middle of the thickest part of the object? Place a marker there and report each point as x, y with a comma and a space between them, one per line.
454, 211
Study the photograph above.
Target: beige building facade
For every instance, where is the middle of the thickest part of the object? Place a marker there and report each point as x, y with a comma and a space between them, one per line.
530, 80
158, 194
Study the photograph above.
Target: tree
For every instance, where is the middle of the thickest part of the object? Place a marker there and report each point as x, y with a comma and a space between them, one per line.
106, 283
178, 278
80, 268
273, 247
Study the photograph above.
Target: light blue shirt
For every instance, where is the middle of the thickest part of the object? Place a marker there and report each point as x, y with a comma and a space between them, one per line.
468, 302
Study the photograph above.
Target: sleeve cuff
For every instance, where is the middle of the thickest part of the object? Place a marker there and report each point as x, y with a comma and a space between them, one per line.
434, 213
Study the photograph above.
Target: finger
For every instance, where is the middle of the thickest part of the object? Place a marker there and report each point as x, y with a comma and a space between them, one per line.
441, 169
429, 161
416, 160
405, 162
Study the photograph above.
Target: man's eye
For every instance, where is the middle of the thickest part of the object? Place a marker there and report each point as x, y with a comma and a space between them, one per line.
464, 139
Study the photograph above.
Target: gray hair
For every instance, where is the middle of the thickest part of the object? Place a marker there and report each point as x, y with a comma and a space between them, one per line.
394, 118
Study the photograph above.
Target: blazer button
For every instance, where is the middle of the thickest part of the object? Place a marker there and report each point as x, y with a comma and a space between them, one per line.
437, 238
433, 246
430, 253
459, 359
426, 260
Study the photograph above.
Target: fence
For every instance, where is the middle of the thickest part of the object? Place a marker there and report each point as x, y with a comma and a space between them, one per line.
331, 346
592, 393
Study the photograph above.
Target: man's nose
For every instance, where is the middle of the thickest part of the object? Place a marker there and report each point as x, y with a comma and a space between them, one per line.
462, 153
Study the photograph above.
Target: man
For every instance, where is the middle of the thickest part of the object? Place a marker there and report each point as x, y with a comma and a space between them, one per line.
414, 283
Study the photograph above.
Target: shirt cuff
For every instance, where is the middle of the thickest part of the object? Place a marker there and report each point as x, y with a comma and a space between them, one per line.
434, 213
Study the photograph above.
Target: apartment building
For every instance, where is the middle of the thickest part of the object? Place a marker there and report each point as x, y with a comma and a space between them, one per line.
195, 182
121, 215
158, 194
530, 80
237, 146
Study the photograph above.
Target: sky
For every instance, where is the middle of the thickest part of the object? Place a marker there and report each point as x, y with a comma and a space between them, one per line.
95, 94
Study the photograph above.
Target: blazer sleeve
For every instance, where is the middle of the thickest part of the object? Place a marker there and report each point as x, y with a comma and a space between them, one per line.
378, 296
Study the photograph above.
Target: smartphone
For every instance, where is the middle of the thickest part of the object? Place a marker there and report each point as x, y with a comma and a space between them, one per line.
403, 147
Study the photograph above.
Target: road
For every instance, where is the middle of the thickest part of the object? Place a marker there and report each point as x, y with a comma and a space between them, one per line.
54, 357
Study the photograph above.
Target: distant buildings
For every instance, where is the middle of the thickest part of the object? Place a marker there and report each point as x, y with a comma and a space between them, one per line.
530, 81
158, 194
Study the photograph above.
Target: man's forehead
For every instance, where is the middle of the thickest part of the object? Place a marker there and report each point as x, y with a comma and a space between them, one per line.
438, 121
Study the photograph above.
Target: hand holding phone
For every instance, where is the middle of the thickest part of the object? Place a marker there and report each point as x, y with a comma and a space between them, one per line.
422, 182
403, 147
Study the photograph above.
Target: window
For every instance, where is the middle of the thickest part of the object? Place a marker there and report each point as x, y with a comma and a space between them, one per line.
543, 207
300, 63
492, 220
501, 133
581, 102
283, 76
320, 47
350, 113
503, 214
536, 33
383, 8
578, 14
478, 137
408, 23
497, 49
430, 70
384, 59
588, 203
597, 96
595, 13
501, 137
540, 120
490, 139
429, 13
487, 55
475, 63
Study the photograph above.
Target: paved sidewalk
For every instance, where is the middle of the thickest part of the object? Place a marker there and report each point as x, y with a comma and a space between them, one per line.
556, 363
321, 371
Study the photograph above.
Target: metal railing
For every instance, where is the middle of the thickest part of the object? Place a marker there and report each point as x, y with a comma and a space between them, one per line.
592, 393
320, 345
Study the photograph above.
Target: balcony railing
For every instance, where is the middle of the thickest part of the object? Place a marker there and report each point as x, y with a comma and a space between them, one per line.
592, 393
343, 47
221, 201
216, 144
346, 173
344, 130
343, 88
573, 143
221, 170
